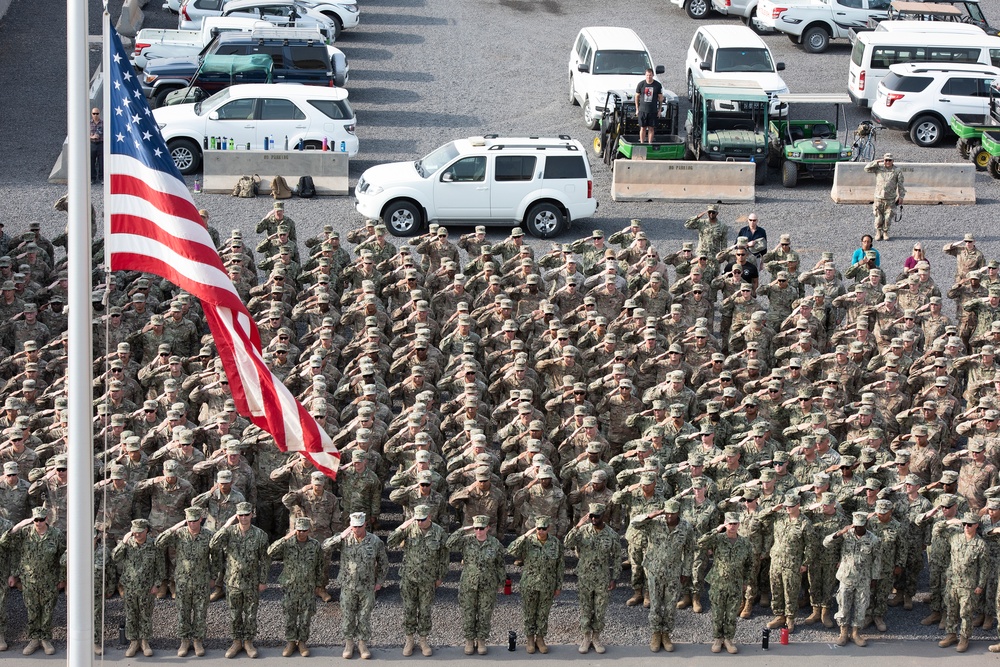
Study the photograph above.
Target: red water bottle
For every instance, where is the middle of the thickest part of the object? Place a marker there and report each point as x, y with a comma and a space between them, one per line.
506, 586
784, 636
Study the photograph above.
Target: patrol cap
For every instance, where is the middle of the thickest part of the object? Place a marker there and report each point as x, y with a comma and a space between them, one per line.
303, 523
596, 509
483, 474
672, 506
949, 477
791, 500
421, 512
970, 519
139, 525
647, 478
947, 500
11, 468
357, 519
859, 519
827, 498
192, 514
993, 503
883, 506
699, 482
767, 475
732, 517
750, 493
599, 476
171, 468
872, 484
978, 446
478, 521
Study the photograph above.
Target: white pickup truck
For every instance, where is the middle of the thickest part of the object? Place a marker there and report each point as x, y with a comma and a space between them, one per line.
153, 43
813, 23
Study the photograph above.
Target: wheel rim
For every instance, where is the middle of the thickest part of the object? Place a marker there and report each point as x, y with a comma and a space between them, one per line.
183, 157
816, 40
690, 87
982, 159
546, 222
927, 132
587, 116
402, 220
597, 144
698, 7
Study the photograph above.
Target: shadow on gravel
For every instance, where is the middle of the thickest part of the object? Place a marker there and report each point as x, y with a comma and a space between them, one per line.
369, 53
381, 96
388, 38
525, 6
409, 77
389, 147
400, 3
395, 118
404, 19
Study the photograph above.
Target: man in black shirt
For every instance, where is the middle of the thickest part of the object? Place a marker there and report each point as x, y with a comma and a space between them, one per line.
756, 239
648, 97
748, 271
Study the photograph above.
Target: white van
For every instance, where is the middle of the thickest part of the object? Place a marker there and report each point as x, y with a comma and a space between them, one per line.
875, 51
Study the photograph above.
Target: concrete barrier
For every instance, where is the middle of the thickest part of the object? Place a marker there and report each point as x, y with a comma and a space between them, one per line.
926, 183
222, 169
131, 19
678, 180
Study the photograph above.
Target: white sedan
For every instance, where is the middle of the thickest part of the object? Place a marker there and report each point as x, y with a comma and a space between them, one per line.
256, 115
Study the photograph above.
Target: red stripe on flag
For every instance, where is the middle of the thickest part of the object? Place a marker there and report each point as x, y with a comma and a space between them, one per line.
181, 207
129, 261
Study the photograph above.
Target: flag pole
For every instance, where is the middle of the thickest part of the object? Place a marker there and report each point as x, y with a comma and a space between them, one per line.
80, 496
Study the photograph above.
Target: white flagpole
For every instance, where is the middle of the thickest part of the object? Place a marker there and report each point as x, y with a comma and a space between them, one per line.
80, 496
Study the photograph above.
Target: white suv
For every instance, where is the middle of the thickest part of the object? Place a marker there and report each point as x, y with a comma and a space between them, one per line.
604, 59
542, 183
734, 53
921, 98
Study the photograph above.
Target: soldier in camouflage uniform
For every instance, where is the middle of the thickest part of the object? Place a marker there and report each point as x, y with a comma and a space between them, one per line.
860, 563
895, 541
303, 571
941, 528
425, 564
795, 545
194, 576
733, 564
712, 234
827, 517
5, 572
483, 571
142, 575
667, 565
36, 555
243, 547
541, 579
364, 565
968, 570
639, 500
600, 563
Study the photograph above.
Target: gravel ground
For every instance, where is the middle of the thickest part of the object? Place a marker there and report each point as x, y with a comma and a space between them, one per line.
424, 72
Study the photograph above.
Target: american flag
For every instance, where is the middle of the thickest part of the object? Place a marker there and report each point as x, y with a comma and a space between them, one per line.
155, 228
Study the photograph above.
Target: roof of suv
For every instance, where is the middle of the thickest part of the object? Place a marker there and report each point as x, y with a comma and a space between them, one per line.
972, 69
271, 90
243, 4
734, 36
302, 35
607, 37
495, 143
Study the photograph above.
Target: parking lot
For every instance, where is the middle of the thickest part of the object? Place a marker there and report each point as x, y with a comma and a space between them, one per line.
426, 71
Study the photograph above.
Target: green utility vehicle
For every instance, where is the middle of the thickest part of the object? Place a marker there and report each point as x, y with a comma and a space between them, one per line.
991, 144
970, 128
801, 148
728, 121
619, 134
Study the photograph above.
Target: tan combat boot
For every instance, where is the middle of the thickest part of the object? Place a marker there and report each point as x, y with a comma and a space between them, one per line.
289, 650
684, 602
933, 618
481, 646
185, 647
147, 650
655, 642
250, 648
199, 648
408, 646
470, 646
790, 623
747, 610
857, 638
363, 650
907, 602
730, 646
994, 648
717, 645
635, 599
234, 648
826, 618
880, 624
668, 645
948, 640
813, 617
776, 622
132, 649
989, 622
963, 644
977, 620
47, 647
98, 650
323, 594
303, 650
348, 649
529, 644
696, 603
645, 598
842, 639
585, 643
543, 648
425, 647
596, 640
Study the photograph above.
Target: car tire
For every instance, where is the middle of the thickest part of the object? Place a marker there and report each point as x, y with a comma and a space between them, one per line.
572, 95
751, 22
815, 40
186, 155
544, 220
789, 174
592, 122
402, 218
979, 156
690, 87
962, 145
794, 39
926, 131
698, 9
993, 167
760, 173
160, 98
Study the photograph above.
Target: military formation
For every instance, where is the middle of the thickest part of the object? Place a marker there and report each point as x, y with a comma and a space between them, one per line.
744, 435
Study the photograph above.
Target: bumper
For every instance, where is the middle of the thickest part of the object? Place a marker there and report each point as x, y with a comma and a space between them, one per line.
862, 102
369, 207
890, 123
351, 20
583, 210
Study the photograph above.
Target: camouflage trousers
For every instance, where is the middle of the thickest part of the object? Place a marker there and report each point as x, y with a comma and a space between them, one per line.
418, 598
356, 606
138, 614
40, 600
535, 607
593, 607
243, 604
477, 602
786, 583
664, 590
3, 605
884, 211
699, 568
753, 585
937, 586
914, 566
822, 582
637, 542
299, 607
192, 607
272, 516
726, 603
852, 604
961, 605
880, 596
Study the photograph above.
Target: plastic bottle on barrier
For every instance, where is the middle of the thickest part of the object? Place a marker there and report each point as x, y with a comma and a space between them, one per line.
326, 146
211, 142
286, 142
224, 143
343, 146
232, 144
204, 142
272, 143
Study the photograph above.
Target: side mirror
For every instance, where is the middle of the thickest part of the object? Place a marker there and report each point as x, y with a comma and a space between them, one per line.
660, 69
214, 115
705, 65
779, 67
447, 177
582, 67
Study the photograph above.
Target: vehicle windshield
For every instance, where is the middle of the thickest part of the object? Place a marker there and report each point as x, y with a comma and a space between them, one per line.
430, 163
621, 62
743, 60
211, 102
974, 11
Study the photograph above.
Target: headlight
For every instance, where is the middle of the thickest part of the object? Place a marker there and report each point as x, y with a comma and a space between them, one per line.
760, 150
353, 9
373, 190
795, 154
715, 148
150, 78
